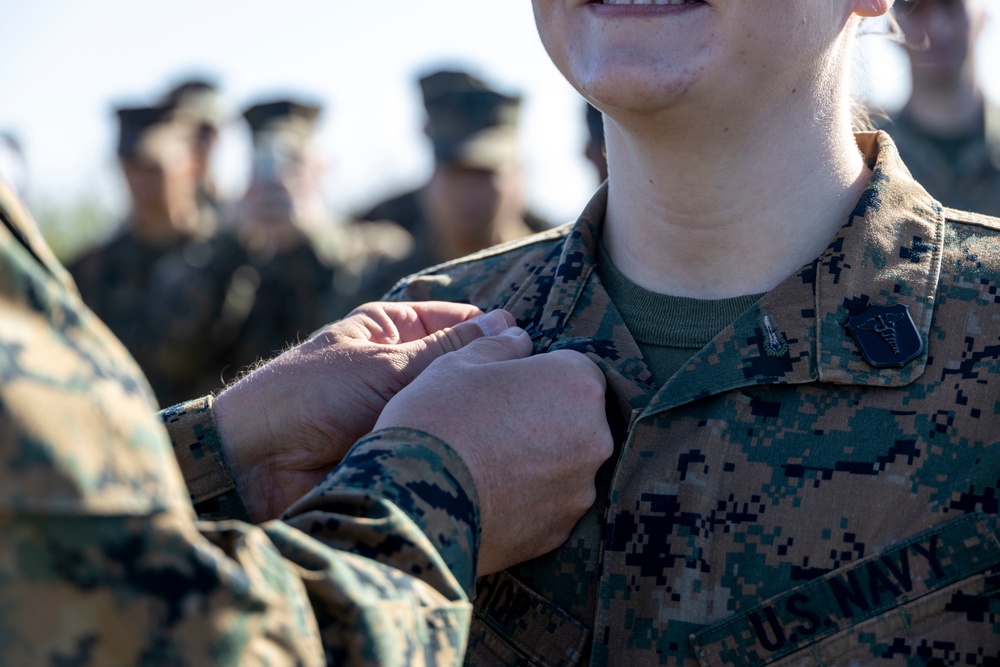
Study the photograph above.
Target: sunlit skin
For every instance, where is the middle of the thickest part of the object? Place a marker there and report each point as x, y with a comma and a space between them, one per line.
940, 35
730, 149
469, 209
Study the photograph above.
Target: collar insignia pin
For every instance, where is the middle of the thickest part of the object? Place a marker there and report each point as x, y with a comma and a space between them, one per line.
886, 335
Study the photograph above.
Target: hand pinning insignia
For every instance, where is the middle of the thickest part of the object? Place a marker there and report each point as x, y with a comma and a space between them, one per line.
886, 336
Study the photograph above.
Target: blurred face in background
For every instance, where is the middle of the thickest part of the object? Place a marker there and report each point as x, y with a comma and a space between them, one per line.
472, 202
161, 187
941, 34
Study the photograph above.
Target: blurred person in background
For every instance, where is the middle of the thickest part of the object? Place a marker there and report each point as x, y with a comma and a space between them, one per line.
948, 133
283, 207
165, 226
475, 196
283, 264
201, 98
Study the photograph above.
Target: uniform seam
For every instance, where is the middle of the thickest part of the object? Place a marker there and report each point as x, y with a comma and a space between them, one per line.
959, 217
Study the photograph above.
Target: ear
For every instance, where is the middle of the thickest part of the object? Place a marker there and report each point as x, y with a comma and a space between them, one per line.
870, 8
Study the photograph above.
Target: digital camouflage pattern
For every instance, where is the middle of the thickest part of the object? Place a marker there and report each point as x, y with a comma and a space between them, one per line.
779, 500
103, 560
969, 177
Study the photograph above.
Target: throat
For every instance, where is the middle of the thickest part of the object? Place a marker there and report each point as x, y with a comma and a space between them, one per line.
725, 225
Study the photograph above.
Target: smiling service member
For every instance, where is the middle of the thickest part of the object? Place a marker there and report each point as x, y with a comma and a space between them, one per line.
802, 354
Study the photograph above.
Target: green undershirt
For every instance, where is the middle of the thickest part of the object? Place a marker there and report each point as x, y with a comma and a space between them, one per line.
669, 329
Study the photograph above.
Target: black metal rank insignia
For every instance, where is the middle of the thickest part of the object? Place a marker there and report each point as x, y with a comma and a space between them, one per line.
886, 335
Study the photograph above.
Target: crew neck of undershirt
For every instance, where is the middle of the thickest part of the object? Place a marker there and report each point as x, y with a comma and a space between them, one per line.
663, 319
667, 328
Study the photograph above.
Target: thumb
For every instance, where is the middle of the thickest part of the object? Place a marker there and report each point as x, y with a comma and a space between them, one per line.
513, 343
497, 325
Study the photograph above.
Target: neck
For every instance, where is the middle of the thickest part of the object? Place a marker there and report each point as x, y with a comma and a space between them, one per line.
727, 206
946, 108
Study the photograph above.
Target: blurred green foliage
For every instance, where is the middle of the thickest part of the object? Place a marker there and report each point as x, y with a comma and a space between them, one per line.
72, 228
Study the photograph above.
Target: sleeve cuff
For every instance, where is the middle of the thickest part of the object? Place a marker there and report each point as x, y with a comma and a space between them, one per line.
202, 461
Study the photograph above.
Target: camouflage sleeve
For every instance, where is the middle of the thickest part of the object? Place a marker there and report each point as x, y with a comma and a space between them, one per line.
399, 500
414, 471
102, 558
196, 443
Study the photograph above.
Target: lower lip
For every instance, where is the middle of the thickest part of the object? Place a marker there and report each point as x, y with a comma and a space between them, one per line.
642, 10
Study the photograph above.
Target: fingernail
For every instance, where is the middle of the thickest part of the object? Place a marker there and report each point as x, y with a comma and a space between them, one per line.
493, 323
514, 332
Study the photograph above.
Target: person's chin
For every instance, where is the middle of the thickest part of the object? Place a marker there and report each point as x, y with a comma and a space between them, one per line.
633, 92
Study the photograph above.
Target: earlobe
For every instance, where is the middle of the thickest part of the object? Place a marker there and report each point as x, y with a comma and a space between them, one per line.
871, 8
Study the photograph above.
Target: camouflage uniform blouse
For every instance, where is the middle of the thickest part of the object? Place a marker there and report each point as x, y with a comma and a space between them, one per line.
788, 496
103, 560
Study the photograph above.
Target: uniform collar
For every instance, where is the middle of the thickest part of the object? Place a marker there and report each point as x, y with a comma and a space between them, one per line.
888, 252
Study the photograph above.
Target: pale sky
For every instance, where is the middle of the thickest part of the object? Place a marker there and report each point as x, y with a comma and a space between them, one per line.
67, 62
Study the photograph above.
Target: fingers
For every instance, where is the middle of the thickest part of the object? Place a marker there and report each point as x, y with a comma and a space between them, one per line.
436, 315
393, 323
490, 337
512, 343
455, 338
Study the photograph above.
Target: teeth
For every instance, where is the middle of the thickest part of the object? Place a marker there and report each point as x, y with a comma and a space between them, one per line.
650, 2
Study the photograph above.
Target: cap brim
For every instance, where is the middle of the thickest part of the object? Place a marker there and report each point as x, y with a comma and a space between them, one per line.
491, 149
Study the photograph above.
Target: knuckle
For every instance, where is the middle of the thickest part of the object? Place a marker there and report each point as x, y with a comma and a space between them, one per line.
489, 347
558, 536
443, 342
591, 391
583, 500
463, 334
603, 446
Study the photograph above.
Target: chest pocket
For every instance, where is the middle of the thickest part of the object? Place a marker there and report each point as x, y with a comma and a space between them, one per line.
513, 625
931, 599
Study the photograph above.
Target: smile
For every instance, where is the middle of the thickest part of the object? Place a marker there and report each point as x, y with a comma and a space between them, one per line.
650, 2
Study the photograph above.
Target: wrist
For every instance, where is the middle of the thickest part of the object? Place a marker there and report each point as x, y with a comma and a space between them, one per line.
237, 430
208, 475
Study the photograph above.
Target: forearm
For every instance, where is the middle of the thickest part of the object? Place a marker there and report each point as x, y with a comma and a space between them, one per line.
399, 503
402, 502
414, 474
349, 575
417, 472
102, 560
